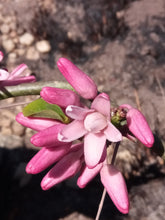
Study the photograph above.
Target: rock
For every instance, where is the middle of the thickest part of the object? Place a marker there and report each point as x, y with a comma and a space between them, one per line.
8, 45
12, 57
43, 46
17, 129
6, 131
154, 37
26, 39
32, 54
5, 29
11, 141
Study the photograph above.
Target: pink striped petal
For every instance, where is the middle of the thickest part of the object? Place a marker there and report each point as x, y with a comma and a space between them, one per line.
1, 56
112, 133
46, 157
17, 71
18, 81
3, 75
48, 137
87, 175
94, 145
114, 184
76, 112
102, 104
37, 124
82, 83
67, 167
72, 131
61, 97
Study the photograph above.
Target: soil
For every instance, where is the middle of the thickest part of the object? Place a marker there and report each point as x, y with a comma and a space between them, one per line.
121, 45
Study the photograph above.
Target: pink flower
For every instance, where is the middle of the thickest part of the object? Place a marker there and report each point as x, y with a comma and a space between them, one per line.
78, 79
138, 125
14, 78
94, 124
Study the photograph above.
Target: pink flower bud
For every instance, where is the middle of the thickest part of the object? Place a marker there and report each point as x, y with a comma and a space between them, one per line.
61, 97
67, 167
82, 83
138, 125
115, 186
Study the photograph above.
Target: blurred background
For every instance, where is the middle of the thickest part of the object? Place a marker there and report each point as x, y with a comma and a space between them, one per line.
121, 45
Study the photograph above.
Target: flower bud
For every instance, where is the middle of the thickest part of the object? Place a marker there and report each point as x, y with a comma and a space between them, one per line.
82, 83
138, 125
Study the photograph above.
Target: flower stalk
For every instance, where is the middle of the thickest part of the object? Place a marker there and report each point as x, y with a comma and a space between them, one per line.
30, 89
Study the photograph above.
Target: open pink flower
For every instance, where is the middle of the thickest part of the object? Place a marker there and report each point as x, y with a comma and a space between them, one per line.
94, 124
138, 125
14, 78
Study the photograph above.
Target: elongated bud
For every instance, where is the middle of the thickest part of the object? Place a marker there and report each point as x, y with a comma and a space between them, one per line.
82, 83
67, 167
37, 124
115, 186
138, 125
46, 157
61, 97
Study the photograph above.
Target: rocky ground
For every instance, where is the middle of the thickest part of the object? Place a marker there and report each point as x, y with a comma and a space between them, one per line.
121, 45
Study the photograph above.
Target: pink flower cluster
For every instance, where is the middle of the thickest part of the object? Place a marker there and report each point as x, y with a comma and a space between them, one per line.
14, 78
81, 146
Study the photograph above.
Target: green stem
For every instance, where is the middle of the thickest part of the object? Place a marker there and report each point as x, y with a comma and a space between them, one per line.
30, 88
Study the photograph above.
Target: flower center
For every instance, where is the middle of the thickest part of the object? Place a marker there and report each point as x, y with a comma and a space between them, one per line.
95, 122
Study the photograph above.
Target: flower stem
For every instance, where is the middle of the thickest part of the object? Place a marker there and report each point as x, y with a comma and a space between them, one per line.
101, 205
30, 88
104, 191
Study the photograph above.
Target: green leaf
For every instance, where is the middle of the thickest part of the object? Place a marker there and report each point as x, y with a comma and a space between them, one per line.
42, 109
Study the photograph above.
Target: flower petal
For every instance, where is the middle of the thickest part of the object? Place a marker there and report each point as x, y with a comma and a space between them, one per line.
72, 131
76, 112
115, 185
94, 145
18, 81
61, 97
17, 71
112, 133
46, 157
48, 136
67, 167
3, 75
102, 104
87, 175
37, 124
82, 83
95, 122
